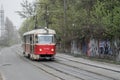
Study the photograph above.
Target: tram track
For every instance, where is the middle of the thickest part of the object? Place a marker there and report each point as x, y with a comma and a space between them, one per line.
90, 64
45, 64
85, 75
91, 71
23, 58
70, 65
63, 71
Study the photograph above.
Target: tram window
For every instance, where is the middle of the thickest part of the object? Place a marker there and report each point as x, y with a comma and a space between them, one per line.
45, 39
27, 39
55, 38
36, 39
30, 38
24, 39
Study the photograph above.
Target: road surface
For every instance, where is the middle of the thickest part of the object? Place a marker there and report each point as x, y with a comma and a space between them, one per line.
14, 66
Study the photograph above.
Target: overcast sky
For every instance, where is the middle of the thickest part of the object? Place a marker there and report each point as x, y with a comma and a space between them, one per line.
10, 8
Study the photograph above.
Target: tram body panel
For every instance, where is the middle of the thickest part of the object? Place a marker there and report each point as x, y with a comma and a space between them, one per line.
44, 49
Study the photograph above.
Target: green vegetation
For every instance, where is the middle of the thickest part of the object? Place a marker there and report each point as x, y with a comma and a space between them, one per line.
74, 19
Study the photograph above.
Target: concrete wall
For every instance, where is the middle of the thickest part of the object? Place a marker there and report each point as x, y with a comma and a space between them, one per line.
92, 48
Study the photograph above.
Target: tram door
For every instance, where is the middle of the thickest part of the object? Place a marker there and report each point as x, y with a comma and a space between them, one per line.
31, 43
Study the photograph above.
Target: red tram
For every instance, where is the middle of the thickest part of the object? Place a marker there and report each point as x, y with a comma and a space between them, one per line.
39, 44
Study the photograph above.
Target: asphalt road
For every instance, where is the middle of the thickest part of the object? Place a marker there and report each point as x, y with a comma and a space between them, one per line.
14, 66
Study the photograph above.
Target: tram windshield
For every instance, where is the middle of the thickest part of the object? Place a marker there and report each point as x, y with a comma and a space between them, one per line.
45, 39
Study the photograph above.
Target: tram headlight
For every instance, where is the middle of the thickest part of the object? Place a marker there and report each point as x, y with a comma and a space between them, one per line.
40, 49
52, 49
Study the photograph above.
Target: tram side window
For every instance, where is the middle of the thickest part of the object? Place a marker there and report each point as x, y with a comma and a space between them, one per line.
28, 39
55, 39
24, 39
36, 38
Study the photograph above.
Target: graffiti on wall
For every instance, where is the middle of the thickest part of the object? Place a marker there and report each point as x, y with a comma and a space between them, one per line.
92, 48
104, 47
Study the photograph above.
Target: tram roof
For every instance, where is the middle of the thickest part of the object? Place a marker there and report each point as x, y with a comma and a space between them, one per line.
40, 31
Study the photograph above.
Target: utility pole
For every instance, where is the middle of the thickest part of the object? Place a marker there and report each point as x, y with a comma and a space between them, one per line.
64, 29
45, 14
112, 7
35, 16
65, 13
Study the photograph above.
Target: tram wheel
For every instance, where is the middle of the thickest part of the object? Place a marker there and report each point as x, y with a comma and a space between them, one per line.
28, 56
31, 57
52, 59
